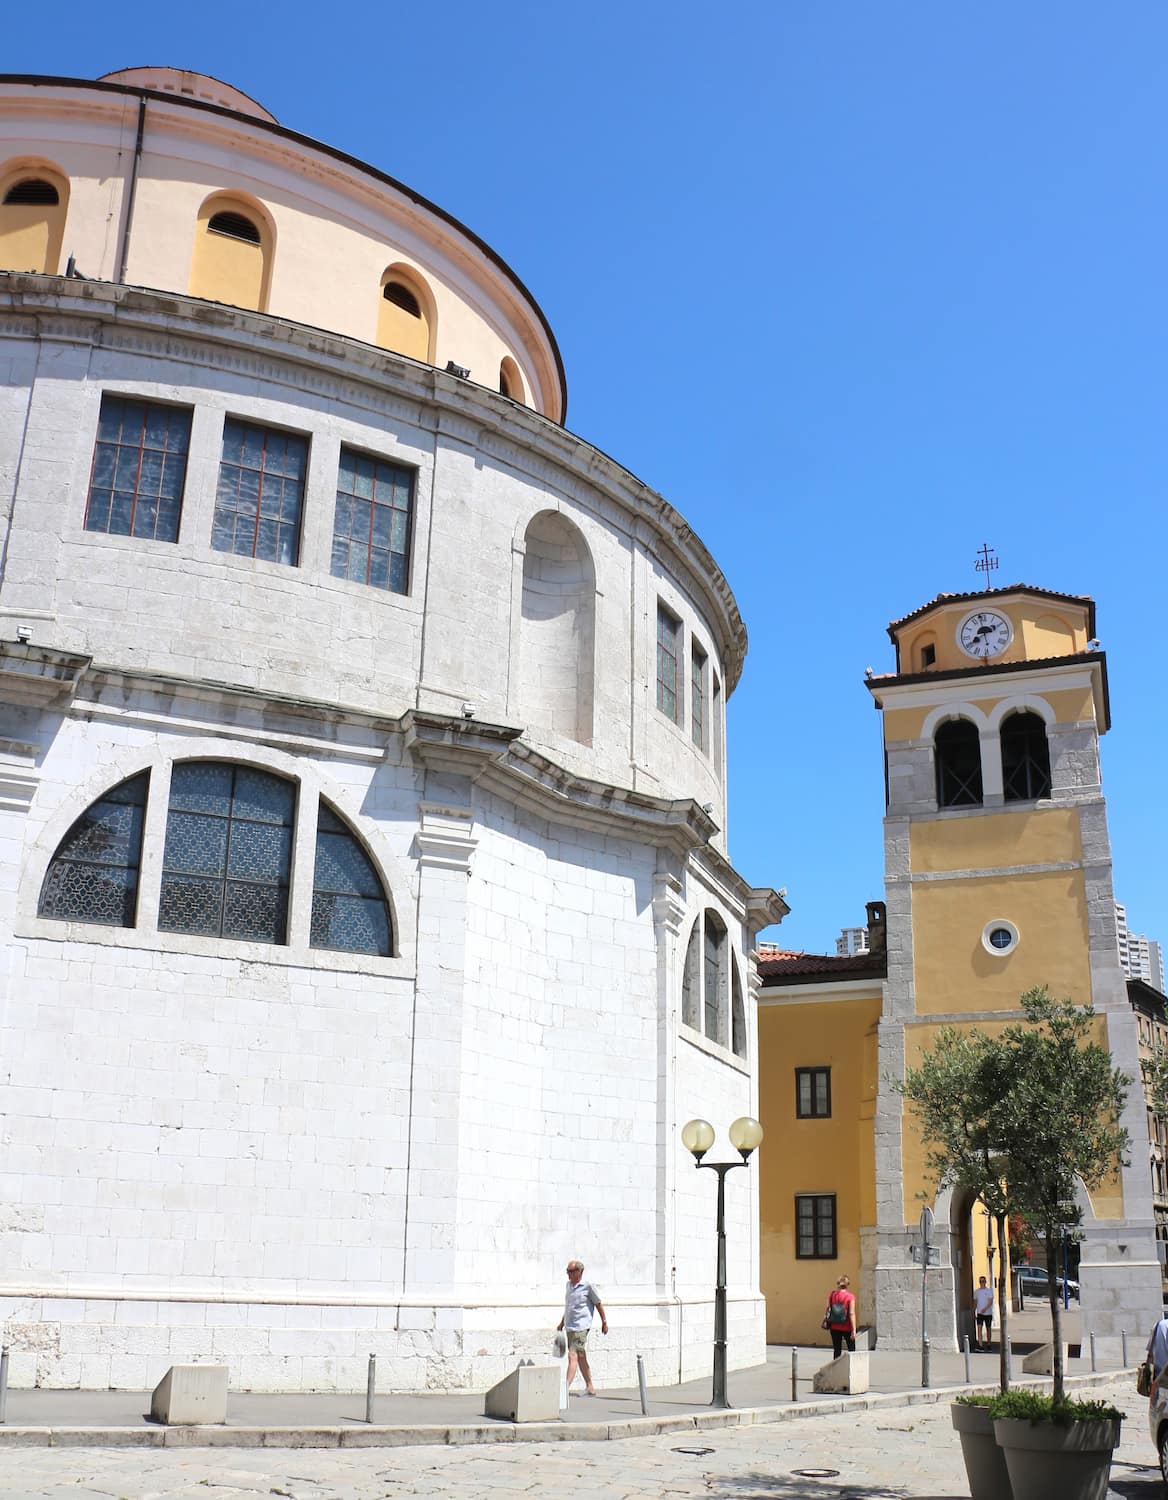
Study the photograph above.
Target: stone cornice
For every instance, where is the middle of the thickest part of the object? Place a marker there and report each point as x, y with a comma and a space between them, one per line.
549, 790
492, 755
163, 324
464, 746
37, 676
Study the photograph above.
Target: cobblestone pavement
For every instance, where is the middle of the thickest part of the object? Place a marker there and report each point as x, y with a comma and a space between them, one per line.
899, 1453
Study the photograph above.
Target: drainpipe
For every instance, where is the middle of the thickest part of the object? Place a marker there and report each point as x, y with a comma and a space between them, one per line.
132, 191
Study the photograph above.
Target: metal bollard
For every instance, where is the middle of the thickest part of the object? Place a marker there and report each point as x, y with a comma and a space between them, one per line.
1092, 1352
370, 1388
1009, 1358
1123, 1345
4, 1383
794, 1373
926, 1350
641, 1383
968, 1371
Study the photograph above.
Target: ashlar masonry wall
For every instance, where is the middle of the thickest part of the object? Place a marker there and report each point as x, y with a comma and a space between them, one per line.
283, 1156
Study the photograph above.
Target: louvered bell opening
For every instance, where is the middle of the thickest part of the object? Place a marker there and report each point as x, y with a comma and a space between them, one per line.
33, 190
402, 297
235, 226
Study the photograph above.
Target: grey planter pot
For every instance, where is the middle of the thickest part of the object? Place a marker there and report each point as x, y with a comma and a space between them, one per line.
1043, 1459
985, 1463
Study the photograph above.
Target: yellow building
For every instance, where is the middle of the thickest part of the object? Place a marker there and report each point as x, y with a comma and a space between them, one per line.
997, 878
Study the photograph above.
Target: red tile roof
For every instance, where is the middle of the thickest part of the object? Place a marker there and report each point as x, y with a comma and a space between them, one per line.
778, 964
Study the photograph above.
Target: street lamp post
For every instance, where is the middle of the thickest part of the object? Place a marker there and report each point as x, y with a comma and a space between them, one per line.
697, 1137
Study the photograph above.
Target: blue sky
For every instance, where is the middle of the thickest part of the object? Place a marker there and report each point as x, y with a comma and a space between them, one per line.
856, 287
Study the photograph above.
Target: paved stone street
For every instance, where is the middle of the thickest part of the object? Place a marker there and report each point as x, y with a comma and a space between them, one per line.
909, 1453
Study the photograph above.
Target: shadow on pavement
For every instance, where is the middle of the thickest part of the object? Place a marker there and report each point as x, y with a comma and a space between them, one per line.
1135, 1481
795, 1486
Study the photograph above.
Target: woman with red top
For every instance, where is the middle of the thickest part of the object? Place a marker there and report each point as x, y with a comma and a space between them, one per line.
841, 1316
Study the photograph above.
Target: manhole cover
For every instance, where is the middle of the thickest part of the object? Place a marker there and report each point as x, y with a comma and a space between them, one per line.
816, 1473
694, 1452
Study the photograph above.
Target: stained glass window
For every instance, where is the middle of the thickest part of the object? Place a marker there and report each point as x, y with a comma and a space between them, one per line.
228, 853
371, 525
93, 876
139, 469
349, 909
697, 697
691, 993
714, 1002
668, 663
261, 489
737, 1016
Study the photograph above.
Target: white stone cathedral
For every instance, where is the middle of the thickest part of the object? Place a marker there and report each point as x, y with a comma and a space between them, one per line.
366, 922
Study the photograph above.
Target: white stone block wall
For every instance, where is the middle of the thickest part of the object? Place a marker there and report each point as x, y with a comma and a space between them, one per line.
186, 609
284, 1158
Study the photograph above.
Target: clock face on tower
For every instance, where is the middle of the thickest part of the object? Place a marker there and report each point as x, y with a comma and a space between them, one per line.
984, 633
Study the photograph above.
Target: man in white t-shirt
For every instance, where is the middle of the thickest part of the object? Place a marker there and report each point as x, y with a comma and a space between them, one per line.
983, 1313
581, 1300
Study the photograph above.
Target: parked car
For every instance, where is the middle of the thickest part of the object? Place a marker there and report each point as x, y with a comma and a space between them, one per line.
1034, 1282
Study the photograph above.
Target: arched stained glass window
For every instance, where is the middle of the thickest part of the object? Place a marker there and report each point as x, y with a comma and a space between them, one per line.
691, 980
737, 1016
714, 997
349, 911
93, 876
228, 852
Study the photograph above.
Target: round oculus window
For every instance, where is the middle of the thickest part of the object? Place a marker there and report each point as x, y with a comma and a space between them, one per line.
999, 937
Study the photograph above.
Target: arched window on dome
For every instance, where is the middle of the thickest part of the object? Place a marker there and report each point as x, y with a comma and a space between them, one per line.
405, 317
957, 758
228, 856
691, 979
1025, 757
711, 991
557, 629
93, 876
233, 252
737, 1013
510, 380
350, 913
33, 204
714, 997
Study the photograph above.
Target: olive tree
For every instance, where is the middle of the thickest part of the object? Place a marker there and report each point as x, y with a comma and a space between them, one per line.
955, 1092
1059, 1125
1021, 1118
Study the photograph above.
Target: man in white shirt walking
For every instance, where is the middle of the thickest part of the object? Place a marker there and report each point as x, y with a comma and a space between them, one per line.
581, 1301
983, 1313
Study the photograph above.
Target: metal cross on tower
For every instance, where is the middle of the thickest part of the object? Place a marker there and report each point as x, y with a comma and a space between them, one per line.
986, 561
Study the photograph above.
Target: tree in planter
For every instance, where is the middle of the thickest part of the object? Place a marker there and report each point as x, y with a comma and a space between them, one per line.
955, 1093
1058, 1121
1018, 1117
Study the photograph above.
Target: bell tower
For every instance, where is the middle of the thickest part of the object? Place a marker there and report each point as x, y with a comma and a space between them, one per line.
997, 879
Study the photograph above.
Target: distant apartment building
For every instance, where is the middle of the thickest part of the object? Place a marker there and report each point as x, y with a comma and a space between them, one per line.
851, 941
1139, 957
